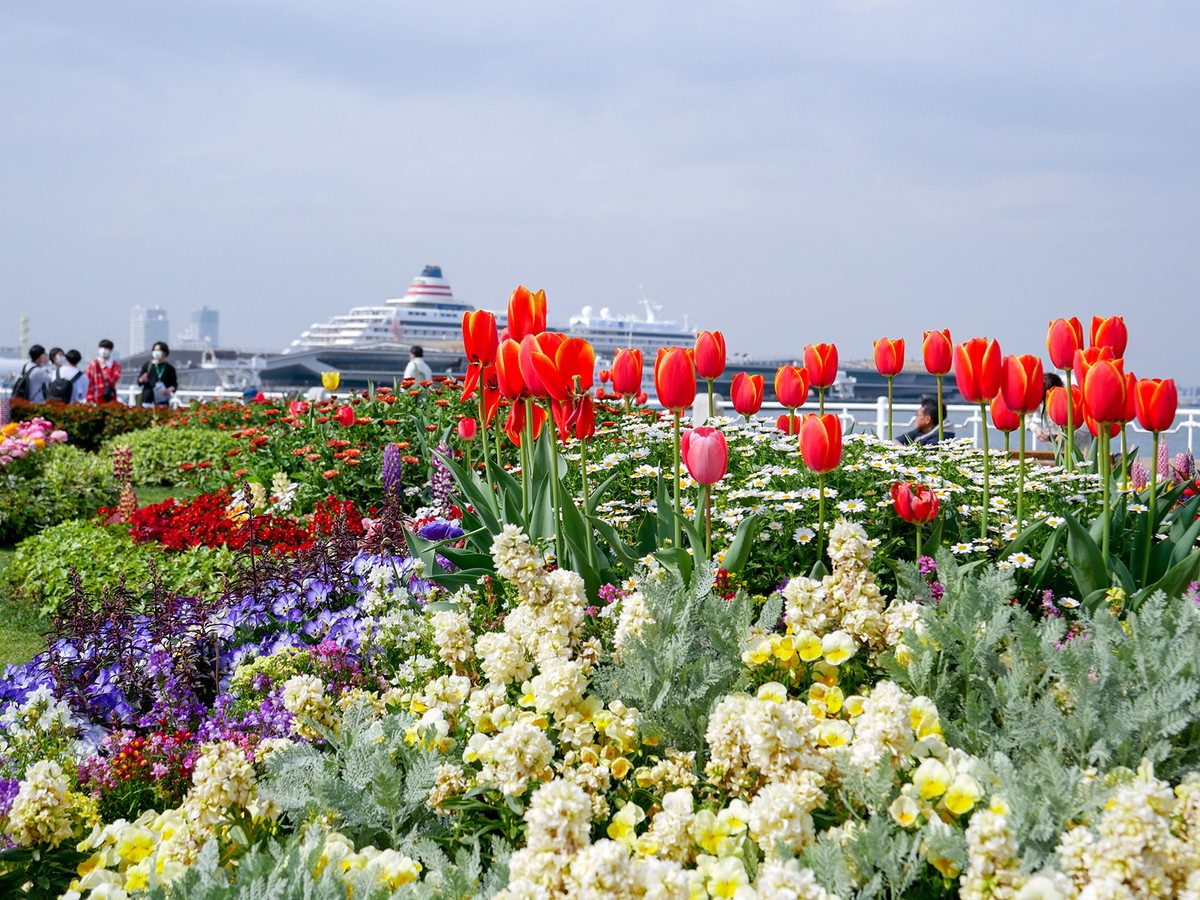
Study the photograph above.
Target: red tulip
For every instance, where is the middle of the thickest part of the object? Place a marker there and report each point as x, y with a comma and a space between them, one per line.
1157, 401
480, 338
467, 429
1056, 406
889, 356
1131, 381
583, 419
605, 375
1104, 391
1085, 359
491, 394
705, 454
508, 371
514, 424
977, 369
788, 424
938, 350
675, 378
344, 415
298, 407
914, 503
821, 442
538, 370
1064, 337
710, 354
576, 361
821, 361
627, 372
1002, 416
791, 386
641, 398
1114, 428
747, 393
526, 313
1021, 383
1111, 333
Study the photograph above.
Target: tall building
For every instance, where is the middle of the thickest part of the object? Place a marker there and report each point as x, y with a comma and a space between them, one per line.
202, 331
146, 326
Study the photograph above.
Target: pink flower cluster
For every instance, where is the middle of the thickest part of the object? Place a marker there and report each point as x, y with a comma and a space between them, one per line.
18, 439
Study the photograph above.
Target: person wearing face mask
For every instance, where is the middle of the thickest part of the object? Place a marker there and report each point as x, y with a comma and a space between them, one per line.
103, 373
157, 377
58, 357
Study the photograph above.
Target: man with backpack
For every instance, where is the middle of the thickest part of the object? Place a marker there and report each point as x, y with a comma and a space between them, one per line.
103, 373
35, 376
69, 385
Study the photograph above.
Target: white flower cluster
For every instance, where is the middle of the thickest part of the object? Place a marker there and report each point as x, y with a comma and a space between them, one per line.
883, 728
40, 813
780, 817
898, 619
41, 719
513, 758
1135, 852
632, 622
558, 686
502, 658
847, 598
993, 865
305, 698
518, 562
452, 636
754, 740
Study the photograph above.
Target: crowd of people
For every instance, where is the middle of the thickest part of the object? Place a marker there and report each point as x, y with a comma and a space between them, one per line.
56, 375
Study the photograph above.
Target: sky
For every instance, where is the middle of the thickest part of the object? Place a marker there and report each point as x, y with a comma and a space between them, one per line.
787, 172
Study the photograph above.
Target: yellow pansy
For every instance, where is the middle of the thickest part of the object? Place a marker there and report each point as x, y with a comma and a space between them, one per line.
783, 646
964, 792
904, 811
726, 877
837, 647
773, 691
931, 779
708, 830
622, 825
835, 733
808, 645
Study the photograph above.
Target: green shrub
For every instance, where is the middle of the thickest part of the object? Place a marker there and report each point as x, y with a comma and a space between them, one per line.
89, 425
40, 569
58, 483
158, 453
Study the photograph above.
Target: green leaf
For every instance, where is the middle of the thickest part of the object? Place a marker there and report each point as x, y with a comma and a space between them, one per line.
743, 540
1088, 566
678, 559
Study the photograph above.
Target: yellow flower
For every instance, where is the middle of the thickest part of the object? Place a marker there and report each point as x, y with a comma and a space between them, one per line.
621, 827
708, 831
331, 380
905, 811
923, 716
963, 794
773, 691
834, 733
758, 655
784, 646
931, 779
620, 767
726, 877
135, 844
808, 645
735, 816
837, 647
825, 673
855, 704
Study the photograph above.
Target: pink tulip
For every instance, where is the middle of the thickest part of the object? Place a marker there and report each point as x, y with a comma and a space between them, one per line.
705, 454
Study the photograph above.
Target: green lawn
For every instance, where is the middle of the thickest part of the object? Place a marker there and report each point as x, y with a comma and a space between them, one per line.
22, 629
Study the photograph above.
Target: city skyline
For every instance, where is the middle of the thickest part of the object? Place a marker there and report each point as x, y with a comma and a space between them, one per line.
830, 171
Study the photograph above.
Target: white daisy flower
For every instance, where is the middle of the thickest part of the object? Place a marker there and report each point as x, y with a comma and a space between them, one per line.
1021, 560
853, 505
1068, 602
803, 535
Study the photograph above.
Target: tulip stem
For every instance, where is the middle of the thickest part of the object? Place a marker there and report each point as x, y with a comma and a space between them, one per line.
707, 495
555, 490
678, 475
483, 447
1070, 423
821, 399
1124, 456
889, 378
987, 473
711, 407
941, 423
527, 463
1151, 514
1106, 480
1021, 478
918, 541
821, 510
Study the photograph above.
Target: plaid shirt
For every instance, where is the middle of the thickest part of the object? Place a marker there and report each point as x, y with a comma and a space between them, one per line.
100, 375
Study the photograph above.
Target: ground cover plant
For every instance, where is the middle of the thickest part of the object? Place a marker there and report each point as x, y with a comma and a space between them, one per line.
567, 668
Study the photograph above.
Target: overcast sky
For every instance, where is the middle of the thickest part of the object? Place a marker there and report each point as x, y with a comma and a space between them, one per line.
789, 172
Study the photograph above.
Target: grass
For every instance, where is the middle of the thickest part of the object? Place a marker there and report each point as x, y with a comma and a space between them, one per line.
23, 628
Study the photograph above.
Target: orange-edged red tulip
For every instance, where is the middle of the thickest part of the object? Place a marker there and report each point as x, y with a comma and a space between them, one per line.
576, 362
526, 313
788, 424
1086, 358
746, 393
1131, 381
539, 367
1114, 428
1056, 406
514, 424
821, 361
889, 356
914, 503
509, 378
627, 372
821, 442
491, 394
467, 429
705, 454
1021, 383
710, 354
1063, 338
977, 369
791, 386
938, 351
583, 419
675, 378
1111, 333
1003, 417
1156, 400
480, 338
1104, 391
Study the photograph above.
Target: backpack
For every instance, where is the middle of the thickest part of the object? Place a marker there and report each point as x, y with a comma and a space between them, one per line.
60, 388
20, 389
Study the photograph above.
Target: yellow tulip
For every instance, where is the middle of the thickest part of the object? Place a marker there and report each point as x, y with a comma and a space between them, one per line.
331, 380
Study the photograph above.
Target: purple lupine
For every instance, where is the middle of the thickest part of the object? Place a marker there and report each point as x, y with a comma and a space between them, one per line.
1164, 466
441, 482
1139, 478
392, 468
1184, 467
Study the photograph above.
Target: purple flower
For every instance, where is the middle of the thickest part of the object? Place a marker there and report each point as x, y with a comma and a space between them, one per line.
392, 468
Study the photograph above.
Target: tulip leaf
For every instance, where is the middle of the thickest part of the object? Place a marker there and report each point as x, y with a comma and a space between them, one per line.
678, 559
739, 547
1173, 582
1088, 566
1049, 552
627, 555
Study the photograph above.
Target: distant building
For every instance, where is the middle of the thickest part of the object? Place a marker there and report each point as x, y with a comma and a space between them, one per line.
146, 326
202, 331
